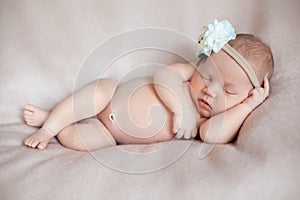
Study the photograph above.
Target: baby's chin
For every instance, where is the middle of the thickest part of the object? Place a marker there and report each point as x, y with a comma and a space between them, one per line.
204, 113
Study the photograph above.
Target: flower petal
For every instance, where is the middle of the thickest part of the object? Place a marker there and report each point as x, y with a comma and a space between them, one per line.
216, 35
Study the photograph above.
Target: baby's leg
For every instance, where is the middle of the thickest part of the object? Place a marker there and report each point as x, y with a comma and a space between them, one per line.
98, 93
89, 134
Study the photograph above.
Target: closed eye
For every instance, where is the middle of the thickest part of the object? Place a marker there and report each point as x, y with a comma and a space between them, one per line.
230, 92
205, 77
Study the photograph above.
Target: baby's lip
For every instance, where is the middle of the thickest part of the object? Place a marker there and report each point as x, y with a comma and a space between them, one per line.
203, 103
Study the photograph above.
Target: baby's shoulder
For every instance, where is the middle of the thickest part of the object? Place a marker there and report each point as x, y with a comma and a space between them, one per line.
186, 70
183, 65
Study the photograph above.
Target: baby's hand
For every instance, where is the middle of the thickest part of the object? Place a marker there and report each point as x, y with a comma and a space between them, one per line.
258, 95
185, 123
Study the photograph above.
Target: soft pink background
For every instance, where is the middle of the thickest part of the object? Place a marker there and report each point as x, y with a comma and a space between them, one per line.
43, 46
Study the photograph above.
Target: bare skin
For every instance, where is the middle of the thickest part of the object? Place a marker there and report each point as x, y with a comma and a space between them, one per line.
80, 132
35, 116
134, 104
140, 105
92, 129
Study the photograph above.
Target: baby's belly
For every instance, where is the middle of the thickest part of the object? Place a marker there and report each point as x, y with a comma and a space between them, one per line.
136, 115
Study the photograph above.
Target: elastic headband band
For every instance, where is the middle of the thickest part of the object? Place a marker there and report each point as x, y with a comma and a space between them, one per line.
243, 63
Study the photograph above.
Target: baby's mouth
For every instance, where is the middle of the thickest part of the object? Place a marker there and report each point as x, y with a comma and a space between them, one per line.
204, 104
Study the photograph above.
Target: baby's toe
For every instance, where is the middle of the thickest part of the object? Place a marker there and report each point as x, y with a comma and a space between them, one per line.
29, 107
28, 121
27, 118
42, 145
26, 140
28, 113
35, 143
30, 142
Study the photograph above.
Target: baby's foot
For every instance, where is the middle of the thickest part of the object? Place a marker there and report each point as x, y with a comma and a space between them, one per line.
38, 139
34, 116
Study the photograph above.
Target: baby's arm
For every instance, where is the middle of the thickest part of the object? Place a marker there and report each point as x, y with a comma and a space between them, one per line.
171, 87
222, 128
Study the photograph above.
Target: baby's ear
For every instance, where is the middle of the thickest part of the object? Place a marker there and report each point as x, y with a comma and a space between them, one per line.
263, 80
268, 76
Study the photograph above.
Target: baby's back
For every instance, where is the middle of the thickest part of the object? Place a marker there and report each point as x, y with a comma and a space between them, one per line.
137, 115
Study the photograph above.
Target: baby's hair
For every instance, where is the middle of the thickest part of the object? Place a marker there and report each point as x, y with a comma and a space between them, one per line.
255, 51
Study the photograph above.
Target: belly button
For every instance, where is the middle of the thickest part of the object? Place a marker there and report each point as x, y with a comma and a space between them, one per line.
111, 117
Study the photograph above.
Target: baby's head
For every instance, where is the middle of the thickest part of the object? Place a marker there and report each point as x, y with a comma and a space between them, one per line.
256, 52
225, 78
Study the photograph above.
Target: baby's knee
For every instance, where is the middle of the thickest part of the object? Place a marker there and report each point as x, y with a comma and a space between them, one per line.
67, 136
107, 84
104, 92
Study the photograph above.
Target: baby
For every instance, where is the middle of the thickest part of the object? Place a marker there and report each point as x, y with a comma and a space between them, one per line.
212, 99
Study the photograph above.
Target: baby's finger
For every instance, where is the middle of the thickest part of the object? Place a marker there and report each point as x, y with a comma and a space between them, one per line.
175, 128
194, 132
180, 133
176, 124
266, 86
187, 134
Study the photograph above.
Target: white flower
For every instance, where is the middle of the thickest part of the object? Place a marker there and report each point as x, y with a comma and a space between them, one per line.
215, 37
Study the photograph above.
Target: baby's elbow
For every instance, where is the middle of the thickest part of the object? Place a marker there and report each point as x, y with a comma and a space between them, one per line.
213, 138
160, 76
162, 72
204, 136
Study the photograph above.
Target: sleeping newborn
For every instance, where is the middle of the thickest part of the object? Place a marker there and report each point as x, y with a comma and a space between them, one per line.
212, 99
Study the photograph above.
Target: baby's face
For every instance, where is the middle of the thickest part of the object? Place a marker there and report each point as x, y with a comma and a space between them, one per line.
219, 84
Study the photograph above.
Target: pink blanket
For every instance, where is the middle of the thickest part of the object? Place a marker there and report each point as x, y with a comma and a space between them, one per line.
44, 45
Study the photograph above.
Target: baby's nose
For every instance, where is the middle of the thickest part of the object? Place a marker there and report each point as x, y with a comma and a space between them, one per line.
209, 91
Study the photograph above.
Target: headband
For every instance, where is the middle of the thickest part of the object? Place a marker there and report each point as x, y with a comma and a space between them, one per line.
243, 63
215, 38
